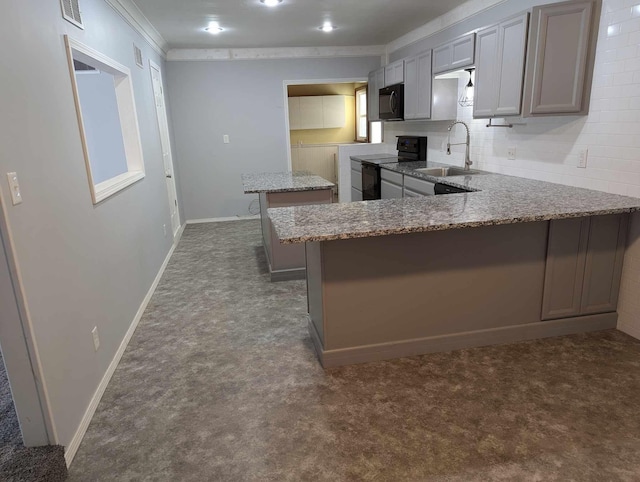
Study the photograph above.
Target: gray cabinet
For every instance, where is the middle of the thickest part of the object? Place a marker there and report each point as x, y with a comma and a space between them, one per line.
394, 73
376, 82
584, 266
356, 181
454, 55
419, 187
390, 184
500, 59
417, 87
560, 60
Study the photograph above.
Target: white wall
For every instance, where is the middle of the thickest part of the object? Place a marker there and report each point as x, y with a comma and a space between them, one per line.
244, 99
81, 265
548, 148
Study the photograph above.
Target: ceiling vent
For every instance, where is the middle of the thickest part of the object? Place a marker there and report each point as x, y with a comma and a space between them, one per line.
137, 53
71, 12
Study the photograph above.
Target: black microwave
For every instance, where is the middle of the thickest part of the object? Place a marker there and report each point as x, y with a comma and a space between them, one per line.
392, 103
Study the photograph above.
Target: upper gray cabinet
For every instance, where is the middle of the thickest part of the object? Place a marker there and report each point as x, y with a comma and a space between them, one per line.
500, 58
560, 61
417, 87
454, 55
394, 73
376, 82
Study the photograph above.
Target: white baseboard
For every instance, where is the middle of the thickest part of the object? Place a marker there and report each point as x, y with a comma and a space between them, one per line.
72, 449
220, 220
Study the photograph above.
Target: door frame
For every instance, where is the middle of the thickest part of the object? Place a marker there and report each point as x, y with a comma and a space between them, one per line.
153, 66
20, 352
285, 87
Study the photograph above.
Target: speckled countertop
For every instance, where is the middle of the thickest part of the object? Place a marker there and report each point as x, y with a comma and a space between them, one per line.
283, 182
498, 199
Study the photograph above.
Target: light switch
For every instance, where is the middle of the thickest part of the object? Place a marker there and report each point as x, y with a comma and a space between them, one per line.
14, 188
225, 139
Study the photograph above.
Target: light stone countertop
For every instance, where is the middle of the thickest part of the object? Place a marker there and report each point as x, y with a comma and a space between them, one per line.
283, 182
498, 199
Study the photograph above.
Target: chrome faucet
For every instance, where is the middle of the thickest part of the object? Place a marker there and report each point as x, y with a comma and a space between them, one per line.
467, 159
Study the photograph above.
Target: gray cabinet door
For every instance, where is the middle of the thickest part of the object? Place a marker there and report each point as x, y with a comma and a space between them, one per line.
454, 55
389, 190
356, 195
603, 268
417, 87
419, 186
560, 60
484, 99
584, 266
500, 56
394, 73
462, 51
411, 88
512, 47
564, 275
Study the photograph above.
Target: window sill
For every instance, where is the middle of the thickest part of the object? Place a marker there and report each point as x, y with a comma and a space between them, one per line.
108, 188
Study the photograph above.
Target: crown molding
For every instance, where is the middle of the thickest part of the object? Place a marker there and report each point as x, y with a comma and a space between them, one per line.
130, 12
275, 53
457, 15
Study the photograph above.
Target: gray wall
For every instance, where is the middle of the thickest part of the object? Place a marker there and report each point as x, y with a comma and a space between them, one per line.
102, 127
81, 265
244, 99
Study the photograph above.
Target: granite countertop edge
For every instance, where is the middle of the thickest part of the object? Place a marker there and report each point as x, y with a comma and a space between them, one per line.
445, 226
290, 189
274, 182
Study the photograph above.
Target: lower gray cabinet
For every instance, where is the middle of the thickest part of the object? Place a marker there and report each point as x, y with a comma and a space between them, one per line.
421, 187
584, 266
389, 190
390, 184
356, 195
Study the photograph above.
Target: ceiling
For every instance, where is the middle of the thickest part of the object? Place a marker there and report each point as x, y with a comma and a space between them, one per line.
293, 23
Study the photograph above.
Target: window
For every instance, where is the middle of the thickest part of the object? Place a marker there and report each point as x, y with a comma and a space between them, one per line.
107, 120
361, 114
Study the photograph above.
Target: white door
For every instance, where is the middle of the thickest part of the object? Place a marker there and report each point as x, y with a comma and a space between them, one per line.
161, 112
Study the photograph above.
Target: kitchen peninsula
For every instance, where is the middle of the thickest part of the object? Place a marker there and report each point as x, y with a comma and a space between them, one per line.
277, 189
514, 259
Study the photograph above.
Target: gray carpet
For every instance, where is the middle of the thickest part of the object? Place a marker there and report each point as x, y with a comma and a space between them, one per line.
220, 383
17, 462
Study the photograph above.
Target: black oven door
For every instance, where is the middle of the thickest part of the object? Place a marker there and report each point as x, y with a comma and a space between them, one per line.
370, 182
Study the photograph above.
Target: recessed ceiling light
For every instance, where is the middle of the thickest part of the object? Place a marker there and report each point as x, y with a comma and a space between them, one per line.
271, 3
214, 28
327, 27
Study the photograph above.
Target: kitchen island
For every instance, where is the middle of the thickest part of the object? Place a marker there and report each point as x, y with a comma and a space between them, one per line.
278, 189
515, 259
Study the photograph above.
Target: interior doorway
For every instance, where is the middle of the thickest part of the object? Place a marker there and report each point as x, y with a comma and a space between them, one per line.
167, 158
320, 116
24, 398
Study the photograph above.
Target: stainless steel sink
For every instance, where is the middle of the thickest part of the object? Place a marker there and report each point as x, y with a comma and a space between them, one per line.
447, 171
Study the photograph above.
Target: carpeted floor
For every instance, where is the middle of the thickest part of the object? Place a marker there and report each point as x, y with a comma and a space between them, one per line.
220, 383
17, 462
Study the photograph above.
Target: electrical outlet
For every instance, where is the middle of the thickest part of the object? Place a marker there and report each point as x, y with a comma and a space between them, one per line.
164, 229
225, 139
511, 153
582, 158
96, 338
